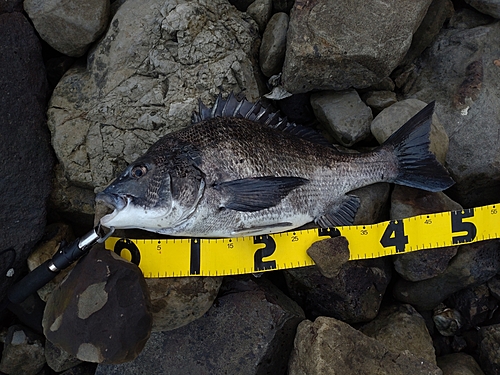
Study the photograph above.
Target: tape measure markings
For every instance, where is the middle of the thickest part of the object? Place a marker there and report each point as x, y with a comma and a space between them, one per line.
226, 256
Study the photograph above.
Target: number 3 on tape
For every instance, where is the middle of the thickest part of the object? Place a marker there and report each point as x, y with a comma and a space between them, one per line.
394, 235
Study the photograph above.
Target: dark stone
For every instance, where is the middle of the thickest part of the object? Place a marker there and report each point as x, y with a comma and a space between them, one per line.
330, 255
9, 6
24, 146
353, 295
100, 312
474, 305
249, 330
85, 368
473, 265
488, 349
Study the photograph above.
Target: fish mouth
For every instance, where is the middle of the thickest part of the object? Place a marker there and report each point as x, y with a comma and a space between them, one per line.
115, 202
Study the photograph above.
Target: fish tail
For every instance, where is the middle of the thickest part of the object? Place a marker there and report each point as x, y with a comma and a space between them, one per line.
416, 166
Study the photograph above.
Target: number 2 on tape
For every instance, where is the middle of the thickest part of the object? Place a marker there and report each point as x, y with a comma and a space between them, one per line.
394, 235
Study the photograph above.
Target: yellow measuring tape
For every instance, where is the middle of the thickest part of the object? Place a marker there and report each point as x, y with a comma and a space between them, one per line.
231, 256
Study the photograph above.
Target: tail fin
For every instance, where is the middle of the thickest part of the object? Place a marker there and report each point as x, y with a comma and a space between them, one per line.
417, 166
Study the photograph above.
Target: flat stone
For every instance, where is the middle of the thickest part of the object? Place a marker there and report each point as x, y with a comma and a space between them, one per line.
69, 27
343, 114
249, 330
329, 346
327, 50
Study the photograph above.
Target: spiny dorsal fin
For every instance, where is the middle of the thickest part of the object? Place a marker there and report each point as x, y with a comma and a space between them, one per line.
257, 112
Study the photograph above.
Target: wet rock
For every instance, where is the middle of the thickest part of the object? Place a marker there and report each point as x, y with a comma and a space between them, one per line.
490, 7
465, 60
488, 349
392, 118
353, 295
100, 312
408, 202
329, 346
58, 359
25, 147
324, 53
473, 265
249, 330
104, 116
54, 235
402, 328
343, 114
437, 13
178, 301
23, 352
379, 100
273, 46
260, 11
69, 27
459, 364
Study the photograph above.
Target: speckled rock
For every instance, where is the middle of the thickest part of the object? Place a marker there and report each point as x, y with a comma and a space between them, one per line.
260, 11
143, 80
330, 347
325, 53
459, 364
25, 145
23, 352
400, 328
393, 117
474, 264
100, 312
69, 27
273, 46
343, 114
407, 202
249, 330
178, 301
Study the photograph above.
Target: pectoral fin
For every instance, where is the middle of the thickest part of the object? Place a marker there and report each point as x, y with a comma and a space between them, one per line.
339, 213
257, 193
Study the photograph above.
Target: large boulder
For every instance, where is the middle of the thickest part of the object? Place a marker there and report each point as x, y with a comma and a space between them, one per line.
143, 80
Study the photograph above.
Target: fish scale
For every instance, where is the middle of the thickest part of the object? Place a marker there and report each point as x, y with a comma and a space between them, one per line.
242, 169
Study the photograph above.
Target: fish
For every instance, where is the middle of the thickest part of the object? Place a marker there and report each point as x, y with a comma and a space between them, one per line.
242, 169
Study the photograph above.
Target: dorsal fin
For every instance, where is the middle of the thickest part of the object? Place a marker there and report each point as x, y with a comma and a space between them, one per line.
257, 112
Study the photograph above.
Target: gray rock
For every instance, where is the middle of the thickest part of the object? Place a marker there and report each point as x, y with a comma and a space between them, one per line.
379, 100
408, 202
353, 295
260, 11
392, 118
459, 364
329, 346
400, 328
490, 7
249, 330
464, 59
178, 301
374, 205
437, 13
327, 50
100, 312
25, 146
386, 84
489, 342
473, 265
273, 46
468, 18
343, 114
69, 27
58, 359
143, 81
23, 352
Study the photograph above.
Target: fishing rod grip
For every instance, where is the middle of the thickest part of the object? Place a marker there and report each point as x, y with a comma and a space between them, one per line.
31, 282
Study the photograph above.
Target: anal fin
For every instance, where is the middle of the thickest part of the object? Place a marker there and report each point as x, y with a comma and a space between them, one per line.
339, 213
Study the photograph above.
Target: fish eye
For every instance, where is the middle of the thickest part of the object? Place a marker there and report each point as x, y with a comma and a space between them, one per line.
138, 171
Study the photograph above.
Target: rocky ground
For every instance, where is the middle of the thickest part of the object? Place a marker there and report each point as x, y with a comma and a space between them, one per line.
87, 87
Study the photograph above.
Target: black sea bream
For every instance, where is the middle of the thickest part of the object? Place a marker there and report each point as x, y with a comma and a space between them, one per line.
240, 169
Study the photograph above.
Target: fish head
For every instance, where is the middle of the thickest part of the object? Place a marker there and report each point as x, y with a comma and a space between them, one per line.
152, 195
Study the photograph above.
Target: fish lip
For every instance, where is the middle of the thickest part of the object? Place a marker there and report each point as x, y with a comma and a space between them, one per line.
117, 202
